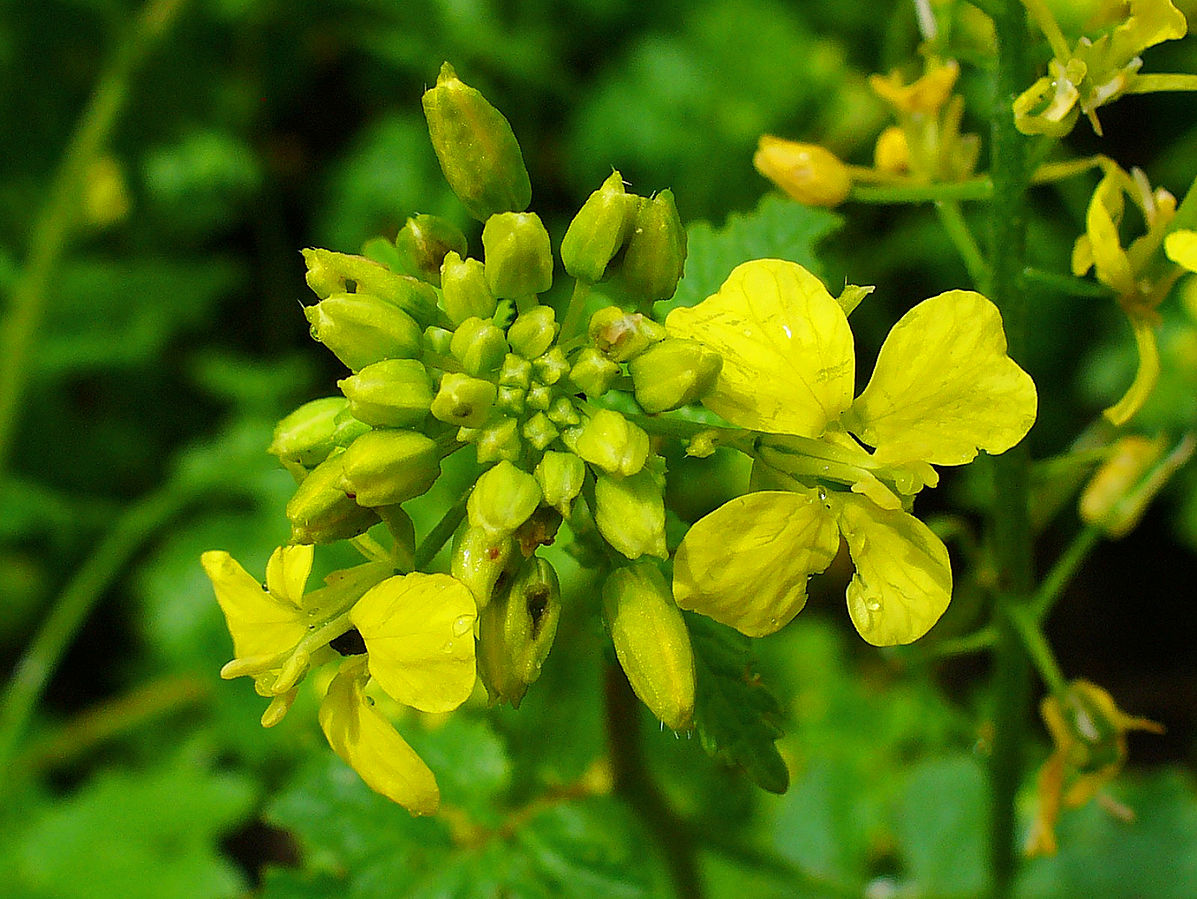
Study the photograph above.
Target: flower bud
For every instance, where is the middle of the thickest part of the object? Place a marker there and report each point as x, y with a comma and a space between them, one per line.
551, 367
655, 255
518, 257
438, 340
620, 335
307, 435
478, 345
807, 173
510, 400
383, 468
672, 373
599, 230
321, 512
476, 147
630, 513
361, 329
533, 332
891, 153
1129, 479
394, 393
515, 370
329, 272
422, 244
651, 641
611, 442
463, 400
560, 477
516, 632
539, 397
464, 292
479, 558
563, 413
499, 440
592, 372
503, 498
539, 431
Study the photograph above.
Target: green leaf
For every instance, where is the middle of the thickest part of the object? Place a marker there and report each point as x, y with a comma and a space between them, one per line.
778, 228
737, 718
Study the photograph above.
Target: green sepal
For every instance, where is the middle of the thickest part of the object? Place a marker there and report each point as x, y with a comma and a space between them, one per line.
630, 513
560, 476
503, 498
621, 335
422, 244
672, 373
464, 292
329, 273
592, 372
499, 440
394, 393
307, 435
518, 258
479, 558
599, 230
611, 442
655, 255
478, 345
533, 332
321, 512
516, 632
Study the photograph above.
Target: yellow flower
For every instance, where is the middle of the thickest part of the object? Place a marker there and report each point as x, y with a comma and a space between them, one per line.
1089, 733
1181, 248
807, 173
923, 96
943, 389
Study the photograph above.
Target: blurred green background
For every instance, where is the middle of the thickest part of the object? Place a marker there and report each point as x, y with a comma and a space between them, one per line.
171, 340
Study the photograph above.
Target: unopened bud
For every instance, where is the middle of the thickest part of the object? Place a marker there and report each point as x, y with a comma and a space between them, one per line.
476, 147
533, 331
503, 498
560, 476
308, 435
464, 291
394, 393
361, 329
539, 397
599, 230
672, 373
422, 244
592, 372
478, 345
321, 512
611, 442
655, 255
1125, 484
563, 413
621, 335
808, 173
539, 431
891, 153
516, 632
437, 340
383, 468
498, 441
630, 513
651, 641
463, 400
329, 273
515, 371
478, 560
518, 258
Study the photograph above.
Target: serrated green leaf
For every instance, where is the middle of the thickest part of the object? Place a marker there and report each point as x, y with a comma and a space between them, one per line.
737, 718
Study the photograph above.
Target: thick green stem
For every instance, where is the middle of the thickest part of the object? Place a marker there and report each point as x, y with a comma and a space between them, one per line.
55, 222
1010, 525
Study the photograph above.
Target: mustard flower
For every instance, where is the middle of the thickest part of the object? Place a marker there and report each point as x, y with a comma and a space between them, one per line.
943, 388
808, 173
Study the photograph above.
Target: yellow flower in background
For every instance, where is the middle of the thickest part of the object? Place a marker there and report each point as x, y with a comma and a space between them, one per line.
943, 389
925, 95
1089, 734
1181, 248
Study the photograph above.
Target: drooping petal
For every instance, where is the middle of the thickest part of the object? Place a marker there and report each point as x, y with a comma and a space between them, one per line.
903, 579
1181, 247
419, 633
260, 624
1146, 375
746, 564
788, 363
360, 735
944, 387
287, 572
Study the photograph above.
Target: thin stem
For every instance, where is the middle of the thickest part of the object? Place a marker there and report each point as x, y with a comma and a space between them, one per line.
973, 189
958, 231
57, 218
1065, 284
440, 533
1062, 572
1037, 647
1051, 30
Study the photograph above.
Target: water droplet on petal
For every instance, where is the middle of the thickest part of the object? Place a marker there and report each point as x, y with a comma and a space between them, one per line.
873, 604
821, 492
448, 647
462, 625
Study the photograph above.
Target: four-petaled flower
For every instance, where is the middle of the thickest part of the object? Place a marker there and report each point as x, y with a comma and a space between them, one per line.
943, 389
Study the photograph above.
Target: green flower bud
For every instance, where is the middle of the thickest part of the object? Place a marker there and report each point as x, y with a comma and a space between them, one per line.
551, 367
478, 345
672, 373
422, 244
499, 440
563, 412
539, 431
305, 437
611, 442
539, 397
463, 400
518, 257
515, 370
321, 512
630, 513
477, 150
464, 292
599, 230
479, 558
383, 468
533, 331
560, 477
511, 400
361, 329
502, 499
394, 393
329, 274
516, 632
592, 372
656, 250
438, 340
651, 641
623, 335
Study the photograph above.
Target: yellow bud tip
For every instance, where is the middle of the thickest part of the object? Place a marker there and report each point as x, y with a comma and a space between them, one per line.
891, 154
808, 173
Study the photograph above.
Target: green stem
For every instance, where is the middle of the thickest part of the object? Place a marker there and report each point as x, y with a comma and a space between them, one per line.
1065, 284
973, 189
1035, 643
34, 670
1010, 525
953, 222
1155, 83
1063, 570
440, 533
53, 226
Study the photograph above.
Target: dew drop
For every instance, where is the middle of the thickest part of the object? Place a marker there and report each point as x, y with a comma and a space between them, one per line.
821, 492
448, 647
462, 625
873, 604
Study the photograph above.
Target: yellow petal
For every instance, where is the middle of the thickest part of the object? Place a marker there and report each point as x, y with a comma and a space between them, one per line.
788, 363
287, 572
1181, 247
259, 623
1101, 224
360, 735
419, 632
1146, 375
944, 387
746, 564
903, 579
